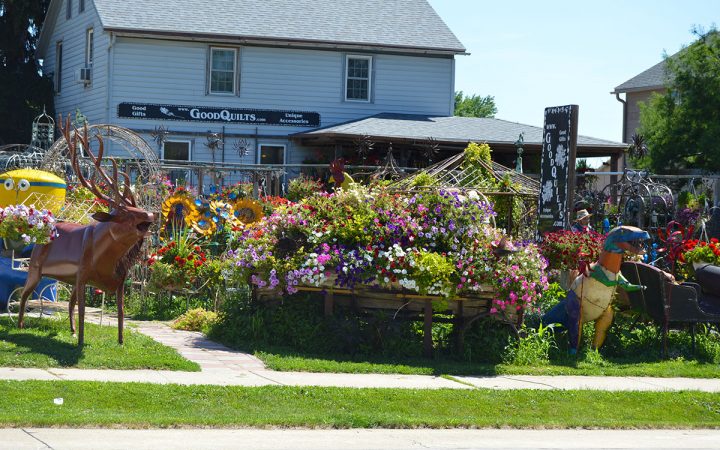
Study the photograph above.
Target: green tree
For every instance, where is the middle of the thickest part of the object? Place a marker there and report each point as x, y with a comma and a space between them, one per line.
474, 105
682, 126
23, 90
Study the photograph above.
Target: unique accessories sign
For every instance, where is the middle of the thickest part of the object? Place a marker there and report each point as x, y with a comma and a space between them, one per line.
213, 114
557, 167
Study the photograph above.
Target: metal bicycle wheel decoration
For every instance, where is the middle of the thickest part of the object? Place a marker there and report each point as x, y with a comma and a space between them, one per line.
635, 200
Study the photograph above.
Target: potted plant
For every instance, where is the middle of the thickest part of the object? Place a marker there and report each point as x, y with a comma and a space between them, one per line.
698, 253
21, 225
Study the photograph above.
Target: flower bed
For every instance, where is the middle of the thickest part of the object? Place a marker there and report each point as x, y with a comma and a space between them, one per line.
434, 245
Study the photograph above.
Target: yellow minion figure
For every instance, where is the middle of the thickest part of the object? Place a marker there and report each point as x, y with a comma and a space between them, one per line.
32, 187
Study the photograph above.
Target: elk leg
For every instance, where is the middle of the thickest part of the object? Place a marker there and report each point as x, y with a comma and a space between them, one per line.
120, 299
33, 280
81, 313
81, 279
71, 309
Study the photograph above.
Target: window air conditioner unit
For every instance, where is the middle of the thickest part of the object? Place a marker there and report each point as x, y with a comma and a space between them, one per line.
83, 75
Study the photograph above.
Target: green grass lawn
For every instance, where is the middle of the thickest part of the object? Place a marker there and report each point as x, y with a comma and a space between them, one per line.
139, 405
589, 363
47, 342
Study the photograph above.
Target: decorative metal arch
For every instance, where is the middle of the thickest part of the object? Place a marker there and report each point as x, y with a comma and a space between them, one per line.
140, 158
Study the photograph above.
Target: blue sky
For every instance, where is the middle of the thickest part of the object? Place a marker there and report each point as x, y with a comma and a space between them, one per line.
534, 54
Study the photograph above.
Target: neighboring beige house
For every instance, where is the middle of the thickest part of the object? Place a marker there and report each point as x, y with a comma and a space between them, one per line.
638, 89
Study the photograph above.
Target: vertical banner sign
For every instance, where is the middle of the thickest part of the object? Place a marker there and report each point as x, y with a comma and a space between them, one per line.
557, 168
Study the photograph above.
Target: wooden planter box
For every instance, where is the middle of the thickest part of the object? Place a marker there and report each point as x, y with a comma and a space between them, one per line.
465, 310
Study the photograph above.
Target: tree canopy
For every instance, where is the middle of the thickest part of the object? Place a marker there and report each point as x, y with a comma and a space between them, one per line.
474, 105
23, 90
682, 126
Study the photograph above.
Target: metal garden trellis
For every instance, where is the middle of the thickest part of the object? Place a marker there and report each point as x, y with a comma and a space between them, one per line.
452, 174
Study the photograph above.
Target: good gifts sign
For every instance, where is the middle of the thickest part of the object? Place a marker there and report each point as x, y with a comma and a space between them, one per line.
557, 167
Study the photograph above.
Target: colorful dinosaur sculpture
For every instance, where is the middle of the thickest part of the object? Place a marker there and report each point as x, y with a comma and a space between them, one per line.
591, 294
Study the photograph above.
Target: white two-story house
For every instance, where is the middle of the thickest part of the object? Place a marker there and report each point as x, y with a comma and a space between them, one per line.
256, 72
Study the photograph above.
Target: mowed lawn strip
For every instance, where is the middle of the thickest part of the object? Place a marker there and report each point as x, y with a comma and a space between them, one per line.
572, 366
140, 405
48, 342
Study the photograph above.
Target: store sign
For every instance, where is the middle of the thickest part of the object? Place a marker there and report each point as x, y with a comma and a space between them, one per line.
222, 115
557, 168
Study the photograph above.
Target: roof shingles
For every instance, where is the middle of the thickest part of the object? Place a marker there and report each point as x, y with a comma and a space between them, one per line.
411, 24
448, 129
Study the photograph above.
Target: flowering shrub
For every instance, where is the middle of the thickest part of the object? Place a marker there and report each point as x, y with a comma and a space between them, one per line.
177, 263
27, 224
437, 243
565, 249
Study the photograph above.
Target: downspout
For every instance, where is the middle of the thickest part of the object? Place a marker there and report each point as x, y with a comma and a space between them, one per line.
109, 76
621, 165
624, 130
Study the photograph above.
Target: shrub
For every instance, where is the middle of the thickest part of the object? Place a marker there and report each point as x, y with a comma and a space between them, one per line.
532, 348
303, 187
195, 320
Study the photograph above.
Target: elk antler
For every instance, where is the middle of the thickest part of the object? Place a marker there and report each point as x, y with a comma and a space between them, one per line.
124, 198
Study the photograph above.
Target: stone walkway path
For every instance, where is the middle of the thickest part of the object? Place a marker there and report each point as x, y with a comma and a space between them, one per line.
196, 347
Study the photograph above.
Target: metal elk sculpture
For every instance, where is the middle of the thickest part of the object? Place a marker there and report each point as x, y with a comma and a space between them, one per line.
99, 254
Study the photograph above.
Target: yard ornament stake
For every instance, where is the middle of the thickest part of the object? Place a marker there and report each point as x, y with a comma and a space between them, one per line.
591, 294
99, 254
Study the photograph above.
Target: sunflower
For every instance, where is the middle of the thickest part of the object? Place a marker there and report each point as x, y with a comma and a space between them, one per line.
247, 211
206, 224
179, 208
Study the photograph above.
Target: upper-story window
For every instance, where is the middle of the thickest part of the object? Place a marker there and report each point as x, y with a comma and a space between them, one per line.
68, 11
358, 70
58, 66
223, 70
89, 37
81, 5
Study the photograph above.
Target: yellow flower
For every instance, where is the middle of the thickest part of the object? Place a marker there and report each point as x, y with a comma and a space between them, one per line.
205, 226
179, 208
247, 211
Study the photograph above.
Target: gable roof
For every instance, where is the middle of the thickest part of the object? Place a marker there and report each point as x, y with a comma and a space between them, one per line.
447, 129
652, 78
400, 25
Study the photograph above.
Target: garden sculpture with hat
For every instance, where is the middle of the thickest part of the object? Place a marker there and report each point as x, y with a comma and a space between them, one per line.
582, 219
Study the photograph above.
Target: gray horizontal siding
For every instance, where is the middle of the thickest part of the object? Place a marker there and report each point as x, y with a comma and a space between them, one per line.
170, 72
91, 100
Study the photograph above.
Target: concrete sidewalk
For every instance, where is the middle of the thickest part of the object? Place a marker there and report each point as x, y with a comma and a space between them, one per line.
354, 439
223, 366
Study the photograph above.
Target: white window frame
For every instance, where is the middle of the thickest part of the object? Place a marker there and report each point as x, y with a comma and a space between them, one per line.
89, 44
235, 71
58, 66
179, 141
369, 78
260, 145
